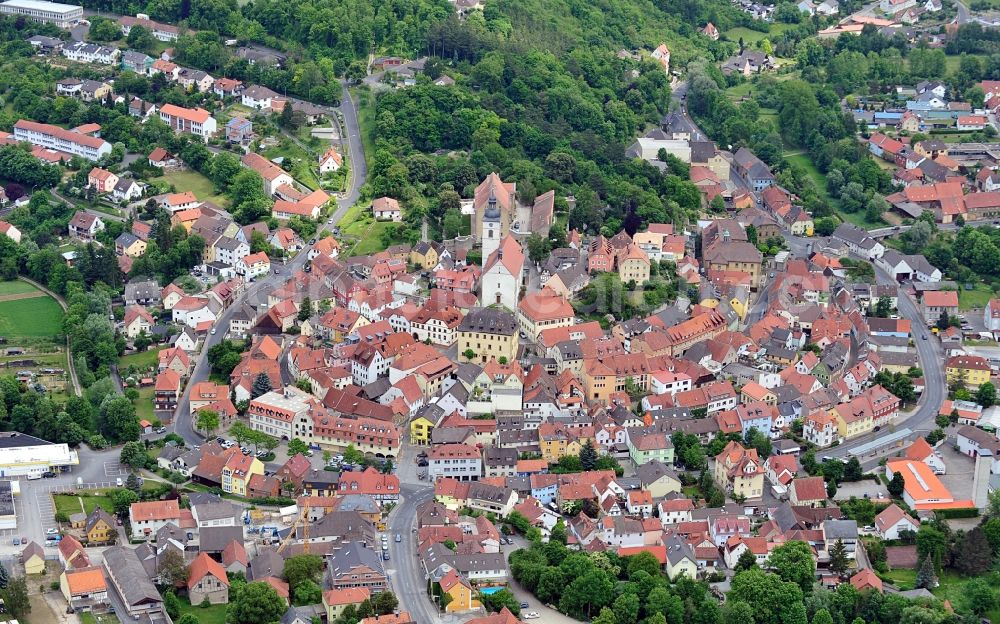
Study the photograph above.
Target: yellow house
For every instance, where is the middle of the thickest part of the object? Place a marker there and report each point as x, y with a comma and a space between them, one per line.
339, 323
556, 442
100, 527
336, 600
489, 333
853, 418
738, 470
424, 255
237, 472
739, 307
459, 593
634, 265
680, 559
420, 428
803, 227
972, 370
131, 245
33, 558
753, 391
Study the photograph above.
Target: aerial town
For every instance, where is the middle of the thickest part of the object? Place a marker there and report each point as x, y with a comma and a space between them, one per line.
486, 311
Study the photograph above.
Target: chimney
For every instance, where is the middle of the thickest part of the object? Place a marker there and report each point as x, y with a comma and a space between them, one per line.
981, 478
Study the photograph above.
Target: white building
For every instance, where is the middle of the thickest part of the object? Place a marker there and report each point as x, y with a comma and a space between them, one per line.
253, 265
258, 97
893, 521
196, 121
91, 53
502, 275
61, 140
62, 15
991, 315
457, 461
22, 455
276, 412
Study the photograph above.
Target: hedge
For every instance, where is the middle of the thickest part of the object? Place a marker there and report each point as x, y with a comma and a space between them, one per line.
971, 512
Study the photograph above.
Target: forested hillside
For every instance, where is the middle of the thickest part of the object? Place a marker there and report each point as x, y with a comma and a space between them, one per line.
544, 98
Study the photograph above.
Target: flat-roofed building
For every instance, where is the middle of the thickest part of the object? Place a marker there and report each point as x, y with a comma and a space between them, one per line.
25, 455
62, 15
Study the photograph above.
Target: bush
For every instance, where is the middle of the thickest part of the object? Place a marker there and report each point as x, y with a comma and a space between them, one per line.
61, 516
958, 513
277, 501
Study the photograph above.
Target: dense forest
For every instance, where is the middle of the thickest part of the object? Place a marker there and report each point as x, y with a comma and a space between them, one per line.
543, 97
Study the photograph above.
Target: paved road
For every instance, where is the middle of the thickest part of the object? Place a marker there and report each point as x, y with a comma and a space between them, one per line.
962, 16
405, 572
929, 355
258, 291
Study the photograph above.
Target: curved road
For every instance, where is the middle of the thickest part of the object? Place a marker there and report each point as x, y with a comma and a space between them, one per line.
258, 291
929, 356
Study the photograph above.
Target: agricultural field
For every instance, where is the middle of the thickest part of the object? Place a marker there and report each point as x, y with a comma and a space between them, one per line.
31, 321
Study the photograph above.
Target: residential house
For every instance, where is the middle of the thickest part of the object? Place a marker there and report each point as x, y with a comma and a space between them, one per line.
207, 581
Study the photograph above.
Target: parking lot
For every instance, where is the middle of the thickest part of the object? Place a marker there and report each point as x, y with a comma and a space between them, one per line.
958, 475
114, 469
867, 488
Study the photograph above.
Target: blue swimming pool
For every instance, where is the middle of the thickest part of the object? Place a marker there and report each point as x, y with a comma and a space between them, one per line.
491, 590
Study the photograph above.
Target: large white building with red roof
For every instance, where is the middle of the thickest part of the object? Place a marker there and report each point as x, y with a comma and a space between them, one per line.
61, 140
196, 121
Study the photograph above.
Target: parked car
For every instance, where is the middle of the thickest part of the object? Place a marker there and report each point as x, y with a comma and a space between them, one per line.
524, 605
423, 463
530, 615
118, 482
161, 430
48, 474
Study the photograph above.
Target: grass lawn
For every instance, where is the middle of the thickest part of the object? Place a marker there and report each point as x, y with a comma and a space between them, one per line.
38, 316
364, 100
216, 614
69, 504
141, 360
108, 210
753, 36
803, 160
952, 61
16, 287
144, 404
193, 181
364, 229
952, 137
951, 587
738, 91
372, 242
978, 298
